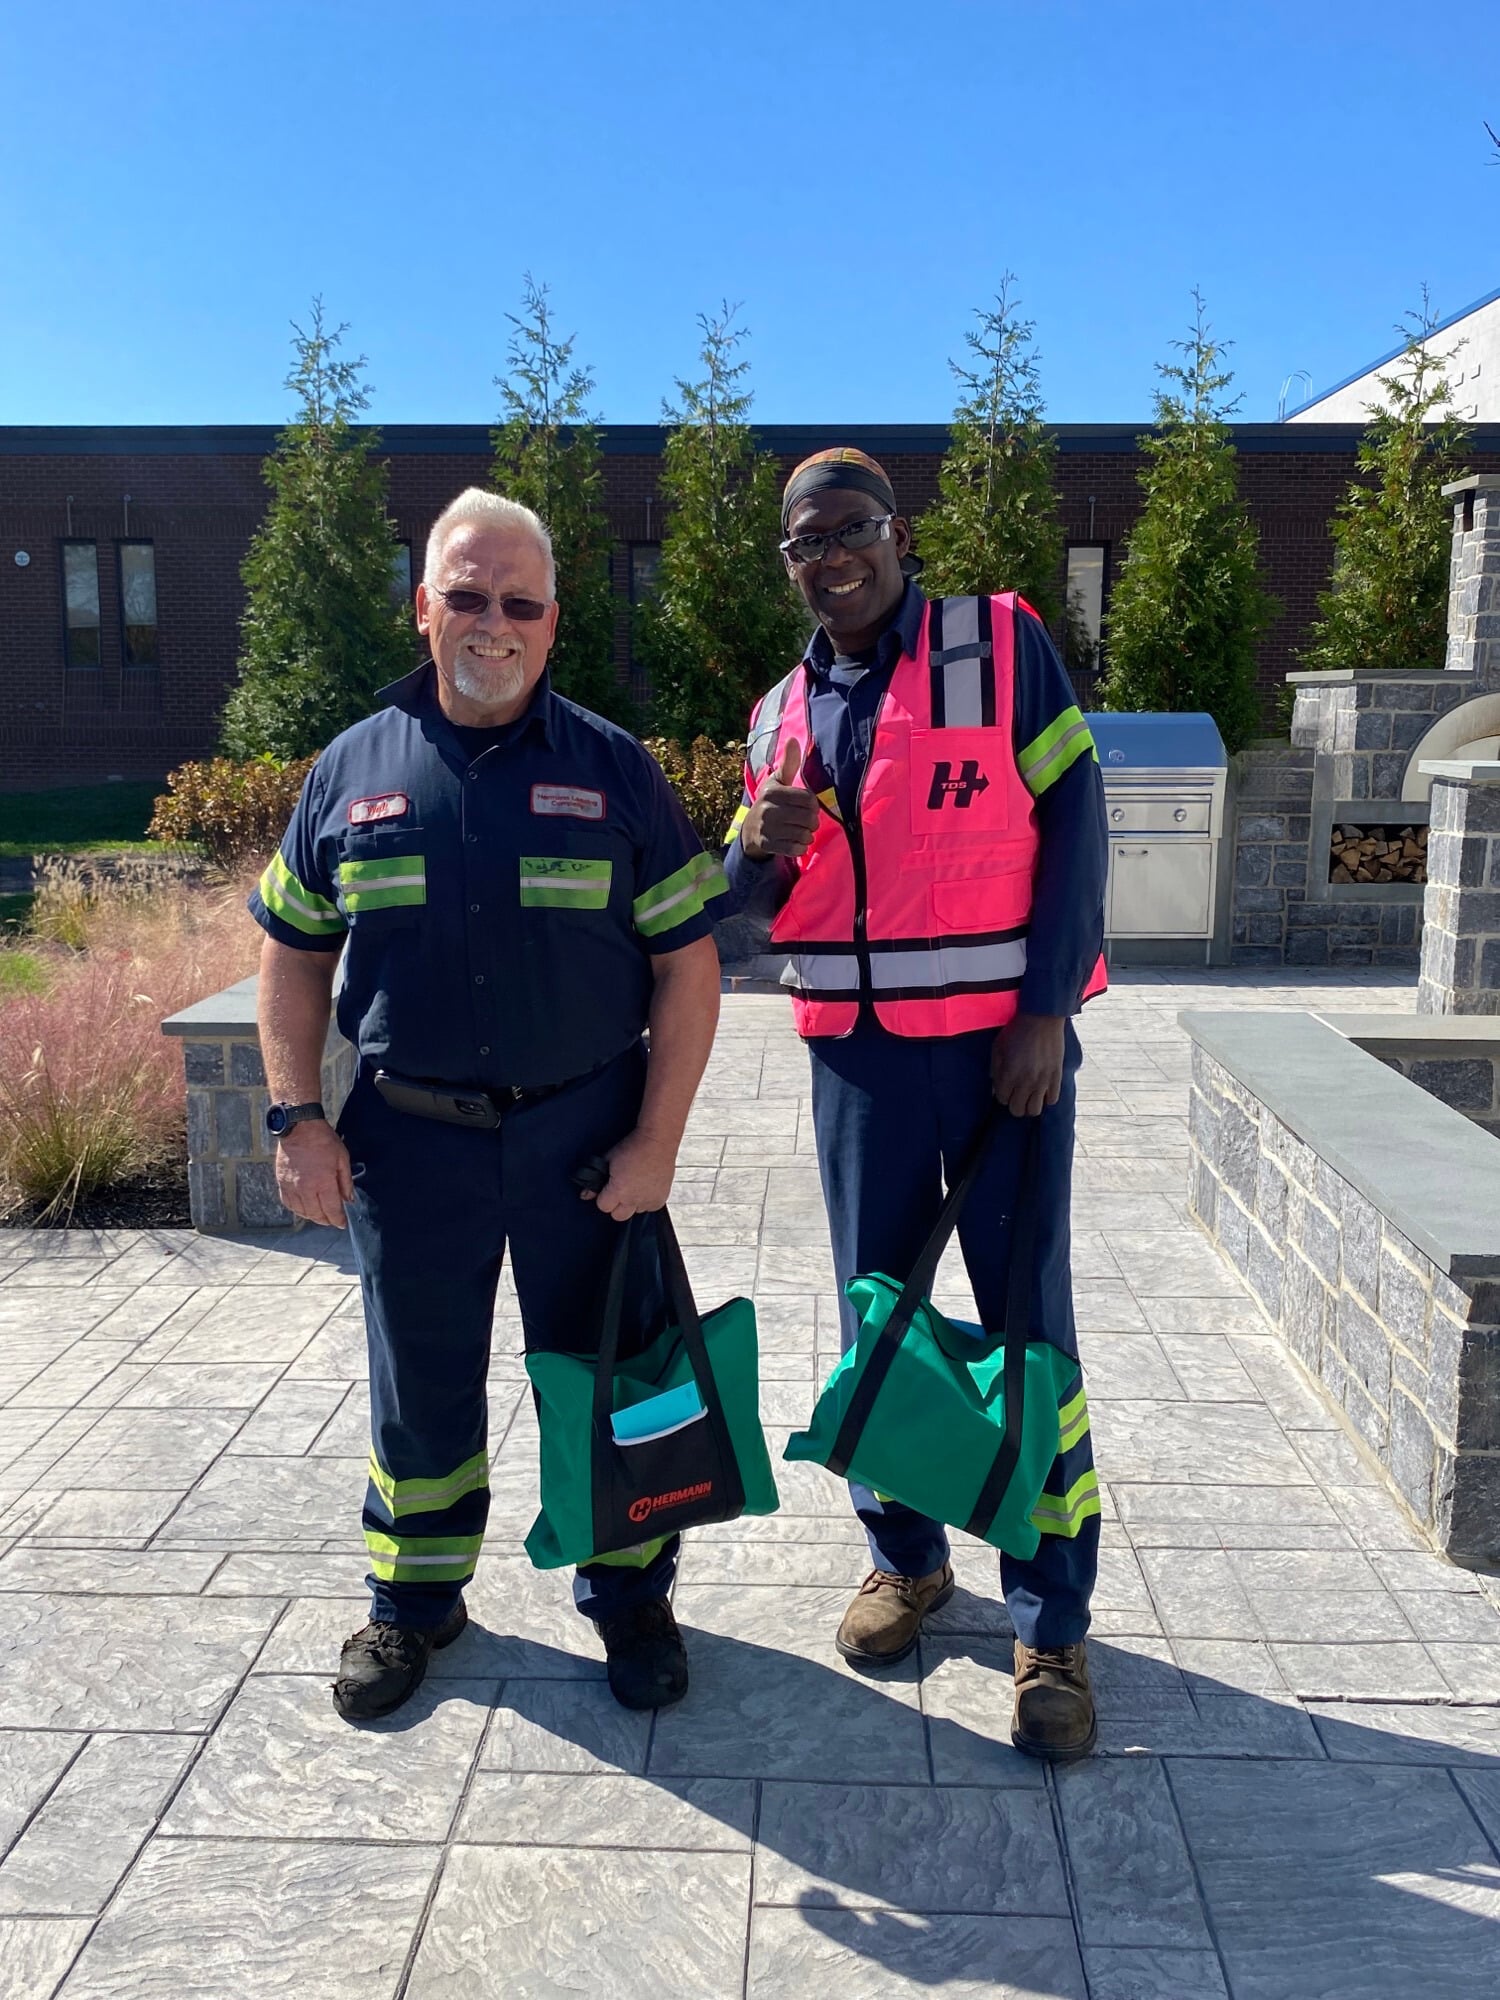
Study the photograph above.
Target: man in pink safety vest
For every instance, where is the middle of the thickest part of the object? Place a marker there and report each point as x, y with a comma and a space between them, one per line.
923, 827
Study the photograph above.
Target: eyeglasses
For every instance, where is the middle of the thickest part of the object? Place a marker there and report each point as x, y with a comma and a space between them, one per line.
854, 535
469, 604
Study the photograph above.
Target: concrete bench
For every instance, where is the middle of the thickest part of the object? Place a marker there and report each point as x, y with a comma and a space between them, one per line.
1364, 1214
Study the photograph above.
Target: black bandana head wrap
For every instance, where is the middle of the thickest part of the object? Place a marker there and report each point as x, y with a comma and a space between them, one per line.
842, 466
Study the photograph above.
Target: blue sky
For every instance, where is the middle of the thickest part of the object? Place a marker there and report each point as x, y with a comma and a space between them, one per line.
180, 178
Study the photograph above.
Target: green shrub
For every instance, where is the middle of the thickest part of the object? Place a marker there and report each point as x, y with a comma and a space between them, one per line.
708, 779
236, 811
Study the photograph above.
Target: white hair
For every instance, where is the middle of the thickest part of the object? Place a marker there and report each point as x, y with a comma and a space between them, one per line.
491, 510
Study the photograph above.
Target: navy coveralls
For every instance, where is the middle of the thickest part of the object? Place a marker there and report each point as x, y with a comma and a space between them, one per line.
893, 1115
502, 893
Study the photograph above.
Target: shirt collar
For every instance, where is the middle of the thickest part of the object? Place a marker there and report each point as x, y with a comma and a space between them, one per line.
416, 694
899, 637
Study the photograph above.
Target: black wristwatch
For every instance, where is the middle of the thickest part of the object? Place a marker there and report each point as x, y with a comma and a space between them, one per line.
280, 1118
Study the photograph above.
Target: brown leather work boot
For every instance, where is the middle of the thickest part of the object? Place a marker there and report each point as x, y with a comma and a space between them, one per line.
1054, 1715
881, 1625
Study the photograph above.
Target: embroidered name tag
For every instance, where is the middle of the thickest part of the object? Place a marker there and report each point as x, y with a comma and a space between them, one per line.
390, 805
566, 802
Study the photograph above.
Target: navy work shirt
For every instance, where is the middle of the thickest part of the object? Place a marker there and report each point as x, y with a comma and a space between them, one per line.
502, 892
1066, 933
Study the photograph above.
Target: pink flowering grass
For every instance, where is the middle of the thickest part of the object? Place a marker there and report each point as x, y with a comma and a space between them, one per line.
91, 1092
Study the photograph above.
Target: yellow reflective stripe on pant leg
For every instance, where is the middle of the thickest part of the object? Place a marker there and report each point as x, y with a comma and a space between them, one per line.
428, 1496
423, 1558
1072, 1422
1065, 1513
640, 1557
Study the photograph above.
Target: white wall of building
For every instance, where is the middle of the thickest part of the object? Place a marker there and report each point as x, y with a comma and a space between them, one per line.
1473, 375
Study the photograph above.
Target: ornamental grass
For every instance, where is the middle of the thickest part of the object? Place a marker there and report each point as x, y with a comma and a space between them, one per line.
91, 1092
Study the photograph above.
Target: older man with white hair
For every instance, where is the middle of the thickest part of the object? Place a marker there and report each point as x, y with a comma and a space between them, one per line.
517, 895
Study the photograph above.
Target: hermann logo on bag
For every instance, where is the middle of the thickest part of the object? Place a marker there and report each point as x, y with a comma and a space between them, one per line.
642, 1509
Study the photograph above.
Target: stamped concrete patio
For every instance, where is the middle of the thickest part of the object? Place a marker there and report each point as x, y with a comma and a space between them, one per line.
1298, 1791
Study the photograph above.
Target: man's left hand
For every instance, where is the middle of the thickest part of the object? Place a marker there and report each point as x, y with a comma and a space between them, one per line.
1026, 1063
640, 1176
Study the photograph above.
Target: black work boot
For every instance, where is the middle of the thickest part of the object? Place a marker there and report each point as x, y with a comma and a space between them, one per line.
383, 1664
647, 1660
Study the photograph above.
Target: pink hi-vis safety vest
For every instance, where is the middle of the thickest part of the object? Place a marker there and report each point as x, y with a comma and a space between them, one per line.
921, 908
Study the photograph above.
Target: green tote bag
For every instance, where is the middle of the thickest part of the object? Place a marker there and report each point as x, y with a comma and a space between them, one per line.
636, 1450
956, 1422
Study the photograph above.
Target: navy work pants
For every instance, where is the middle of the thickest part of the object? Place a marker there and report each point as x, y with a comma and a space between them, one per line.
895, 1115
435, 1208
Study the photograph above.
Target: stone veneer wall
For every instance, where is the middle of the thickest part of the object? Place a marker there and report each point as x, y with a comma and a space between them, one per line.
231, 1168
1470, 1084
1410, 1355
1460, 971
1352, 739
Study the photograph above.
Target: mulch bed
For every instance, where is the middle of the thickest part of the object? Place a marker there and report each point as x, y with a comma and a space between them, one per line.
156, 1199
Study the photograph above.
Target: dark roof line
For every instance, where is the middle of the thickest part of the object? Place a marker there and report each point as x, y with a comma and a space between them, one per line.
1395, 354
637, 440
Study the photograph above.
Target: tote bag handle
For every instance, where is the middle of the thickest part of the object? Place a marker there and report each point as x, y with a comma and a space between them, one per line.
1017, 1319
683, 1311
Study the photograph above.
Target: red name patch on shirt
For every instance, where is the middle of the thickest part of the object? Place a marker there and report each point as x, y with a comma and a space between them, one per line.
567, 802
390, 805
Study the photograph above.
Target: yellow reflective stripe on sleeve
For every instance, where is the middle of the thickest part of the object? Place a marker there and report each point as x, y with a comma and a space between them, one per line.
1065, 1513
681, 896
1059, 746
428, 1496
423, 1558
303, 908
736, 823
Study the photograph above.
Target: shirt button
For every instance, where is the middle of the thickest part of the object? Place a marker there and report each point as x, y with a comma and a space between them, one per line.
473, 909
479, 979
484, 1048
473, 840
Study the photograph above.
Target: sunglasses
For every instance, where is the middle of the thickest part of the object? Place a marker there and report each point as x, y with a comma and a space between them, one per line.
469, 604
856, 535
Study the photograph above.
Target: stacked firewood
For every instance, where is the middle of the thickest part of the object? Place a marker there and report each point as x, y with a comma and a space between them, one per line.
1379, 854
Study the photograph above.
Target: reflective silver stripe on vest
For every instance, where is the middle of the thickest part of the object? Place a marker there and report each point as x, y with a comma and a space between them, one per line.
824, 972
989, 967
762, 743
960, 667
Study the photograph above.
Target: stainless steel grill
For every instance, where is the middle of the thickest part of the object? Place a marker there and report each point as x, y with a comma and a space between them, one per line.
1164, 779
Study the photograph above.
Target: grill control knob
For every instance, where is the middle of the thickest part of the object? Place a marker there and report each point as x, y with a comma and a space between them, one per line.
1180, 815
1118, 814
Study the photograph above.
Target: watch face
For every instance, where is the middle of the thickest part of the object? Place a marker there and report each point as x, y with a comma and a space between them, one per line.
276, 1120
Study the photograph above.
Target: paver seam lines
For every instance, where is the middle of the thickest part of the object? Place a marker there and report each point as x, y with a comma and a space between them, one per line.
336, 1411
419, 1930
1187, 1848
755, 1803
1492, 1844
1059, 1834
170, 1800
9, 1847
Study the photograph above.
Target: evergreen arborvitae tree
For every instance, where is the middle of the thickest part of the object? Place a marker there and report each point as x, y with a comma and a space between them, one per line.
323, 627
1189, 605
547, 457
725, 622
996, 526
1387, 605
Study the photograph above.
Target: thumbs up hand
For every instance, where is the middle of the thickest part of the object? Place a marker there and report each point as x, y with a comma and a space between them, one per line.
784, 817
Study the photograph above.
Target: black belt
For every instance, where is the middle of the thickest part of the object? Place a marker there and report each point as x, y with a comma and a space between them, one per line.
453, 1104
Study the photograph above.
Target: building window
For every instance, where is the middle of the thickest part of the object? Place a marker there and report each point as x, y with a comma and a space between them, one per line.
138, 602
645, 561
401, 574
80, 572
1085, 609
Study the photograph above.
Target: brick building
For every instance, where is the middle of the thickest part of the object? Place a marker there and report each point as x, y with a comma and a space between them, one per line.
120, 552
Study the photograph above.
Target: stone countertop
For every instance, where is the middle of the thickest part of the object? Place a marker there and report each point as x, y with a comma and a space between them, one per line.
228, 1013
1426, 1167
1440, 1035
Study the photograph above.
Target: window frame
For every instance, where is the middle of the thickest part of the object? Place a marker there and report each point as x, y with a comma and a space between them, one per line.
64, 543
137, 542
1104, 549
